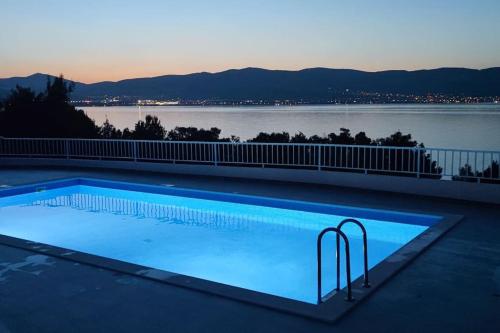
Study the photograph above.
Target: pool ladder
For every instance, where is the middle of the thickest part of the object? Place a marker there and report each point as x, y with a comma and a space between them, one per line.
340, 234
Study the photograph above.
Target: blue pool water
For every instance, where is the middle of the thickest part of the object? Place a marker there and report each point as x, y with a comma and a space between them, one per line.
262, 248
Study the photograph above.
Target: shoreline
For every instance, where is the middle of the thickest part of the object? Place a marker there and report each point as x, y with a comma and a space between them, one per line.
287, 105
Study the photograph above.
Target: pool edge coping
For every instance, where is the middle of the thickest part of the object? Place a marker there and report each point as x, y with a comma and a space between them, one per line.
330, 311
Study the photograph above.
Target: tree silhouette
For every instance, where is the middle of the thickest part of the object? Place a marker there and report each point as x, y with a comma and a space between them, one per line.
299, 138
489, 175
150, 129
362, 139
108, 131
194, 134
397, 140
492, 171
262, 137
45, 115
344, 138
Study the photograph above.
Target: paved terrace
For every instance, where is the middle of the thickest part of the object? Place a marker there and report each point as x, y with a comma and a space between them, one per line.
452, 287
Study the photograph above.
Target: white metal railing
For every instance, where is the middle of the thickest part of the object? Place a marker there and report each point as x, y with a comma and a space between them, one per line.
459, 164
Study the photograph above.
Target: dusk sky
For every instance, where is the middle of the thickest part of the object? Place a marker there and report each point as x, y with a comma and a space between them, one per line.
96, 40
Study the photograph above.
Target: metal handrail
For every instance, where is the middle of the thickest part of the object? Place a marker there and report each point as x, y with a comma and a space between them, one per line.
438, 163
375, 146
348, 262
366, 283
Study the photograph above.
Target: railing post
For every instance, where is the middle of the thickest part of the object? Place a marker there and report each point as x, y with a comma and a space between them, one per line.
262, 155
134, 150
319, 157
66, 148
215, 155
418, 162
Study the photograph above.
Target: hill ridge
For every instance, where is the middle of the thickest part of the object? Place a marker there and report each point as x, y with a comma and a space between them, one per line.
317, 83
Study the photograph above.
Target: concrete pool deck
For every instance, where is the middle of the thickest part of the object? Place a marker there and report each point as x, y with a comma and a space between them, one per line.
452, 287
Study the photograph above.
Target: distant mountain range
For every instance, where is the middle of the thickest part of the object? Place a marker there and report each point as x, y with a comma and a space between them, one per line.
315, 84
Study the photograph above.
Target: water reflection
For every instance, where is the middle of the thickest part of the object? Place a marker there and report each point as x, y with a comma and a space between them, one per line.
173, 214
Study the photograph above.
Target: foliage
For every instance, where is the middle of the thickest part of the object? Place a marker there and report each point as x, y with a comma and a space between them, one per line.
343, 138
492, 171
194, 134
150, 129
490, 174
108, 131
45, 115
402, 161
398, 139
262, 137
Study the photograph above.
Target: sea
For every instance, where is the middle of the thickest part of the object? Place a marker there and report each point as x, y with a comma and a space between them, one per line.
437, 126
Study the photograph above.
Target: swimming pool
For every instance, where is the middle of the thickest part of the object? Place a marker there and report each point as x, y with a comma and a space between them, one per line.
255, 243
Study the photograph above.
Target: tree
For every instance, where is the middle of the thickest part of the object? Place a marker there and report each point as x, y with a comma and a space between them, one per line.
344, 138
282, 137
127, 134
406, 159
490, 174
466, 173
58, 91
492, 171
318, 139
150, 129
362, 139
232, 138
45, 115
299, 138
108, 131
195, 134
398, 140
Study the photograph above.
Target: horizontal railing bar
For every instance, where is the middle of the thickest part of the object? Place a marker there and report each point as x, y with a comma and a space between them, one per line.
258, 144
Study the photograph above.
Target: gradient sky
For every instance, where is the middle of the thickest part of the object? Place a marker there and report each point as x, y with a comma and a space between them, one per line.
95, 40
